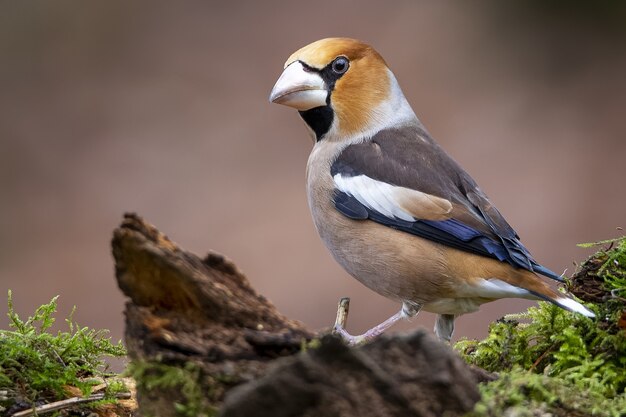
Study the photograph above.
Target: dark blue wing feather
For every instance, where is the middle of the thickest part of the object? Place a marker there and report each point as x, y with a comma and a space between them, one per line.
451, 232
350, 207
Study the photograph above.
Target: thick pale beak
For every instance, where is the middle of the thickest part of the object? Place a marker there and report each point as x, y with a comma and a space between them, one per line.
298, 88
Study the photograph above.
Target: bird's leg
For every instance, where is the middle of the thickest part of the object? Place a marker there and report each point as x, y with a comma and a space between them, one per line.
371, 333
408, 310
444, 326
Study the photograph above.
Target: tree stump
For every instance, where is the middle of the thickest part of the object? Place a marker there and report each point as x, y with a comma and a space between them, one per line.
202, 341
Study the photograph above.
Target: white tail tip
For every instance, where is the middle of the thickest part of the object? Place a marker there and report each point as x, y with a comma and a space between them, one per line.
575, 306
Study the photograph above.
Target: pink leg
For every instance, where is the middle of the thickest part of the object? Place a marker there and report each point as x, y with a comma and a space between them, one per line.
408, 310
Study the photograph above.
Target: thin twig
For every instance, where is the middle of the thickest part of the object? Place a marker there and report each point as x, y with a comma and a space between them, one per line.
342, 313
59, 357
58, 405
542, 356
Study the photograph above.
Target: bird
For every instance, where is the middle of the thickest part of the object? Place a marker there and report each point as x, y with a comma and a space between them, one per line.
392, 207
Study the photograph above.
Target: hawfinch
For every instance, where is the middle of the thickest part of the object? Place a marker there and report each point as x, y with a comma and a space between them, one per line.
398, 213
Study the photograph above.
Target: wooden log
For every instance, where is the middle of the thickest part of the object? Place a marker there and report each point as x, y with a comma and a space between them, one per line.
196, 329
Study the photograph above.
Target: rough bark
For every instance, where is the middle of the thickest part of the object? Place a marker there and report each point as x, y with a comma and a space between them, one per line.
202, 316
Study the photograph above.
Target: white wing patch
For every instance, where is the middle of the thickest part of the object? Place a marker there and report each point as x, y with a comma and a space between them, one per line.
393, 201
373, 194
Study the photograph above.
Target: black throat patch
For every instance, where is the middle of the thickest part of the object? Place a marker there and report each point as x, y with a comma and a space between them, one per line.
320, 119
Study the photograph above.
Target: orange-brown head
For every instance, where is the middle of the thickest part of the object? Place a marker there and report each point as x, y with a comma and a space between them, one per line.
339, 85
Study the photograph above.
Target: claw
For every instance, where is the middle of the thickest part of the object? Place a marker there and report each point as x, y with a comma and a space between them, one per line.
407, 310
349, 339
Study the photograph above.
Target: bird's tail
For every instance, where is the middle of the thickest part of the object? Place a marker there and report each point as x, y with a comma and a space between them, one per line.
539, 289
565, 301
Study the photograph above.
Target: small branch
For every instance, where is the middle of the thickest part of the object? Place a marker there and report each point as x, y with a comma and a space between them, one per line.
59, 405
342, 313
542, 356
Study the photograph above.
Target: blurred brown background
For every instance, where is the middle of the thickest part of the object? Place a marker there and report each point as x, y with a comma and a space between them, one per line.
161, 108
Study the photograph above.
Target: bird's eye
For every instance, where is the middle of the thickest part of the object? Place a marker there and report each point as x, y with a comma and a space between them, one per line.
340, 65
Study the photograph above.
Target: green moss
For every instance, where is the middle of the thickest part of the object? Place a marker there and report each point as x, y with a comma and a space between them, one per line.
184, 382
559, 361
521, 393
613, 270
37, 365
312, 344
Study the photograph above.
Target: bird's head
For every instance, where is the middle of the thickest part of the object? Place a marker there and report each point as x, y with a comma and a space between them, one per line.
341, 87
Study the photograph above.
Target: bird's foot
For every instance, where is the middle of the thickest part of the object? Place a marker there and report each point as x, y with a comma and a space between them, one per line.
340, 323
361, 339
342, 317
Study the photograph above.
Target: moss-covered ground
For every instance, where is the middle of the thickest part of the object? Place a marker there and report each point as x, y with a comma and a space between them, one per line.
554, 362
549, 361
38, 366
183, 384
